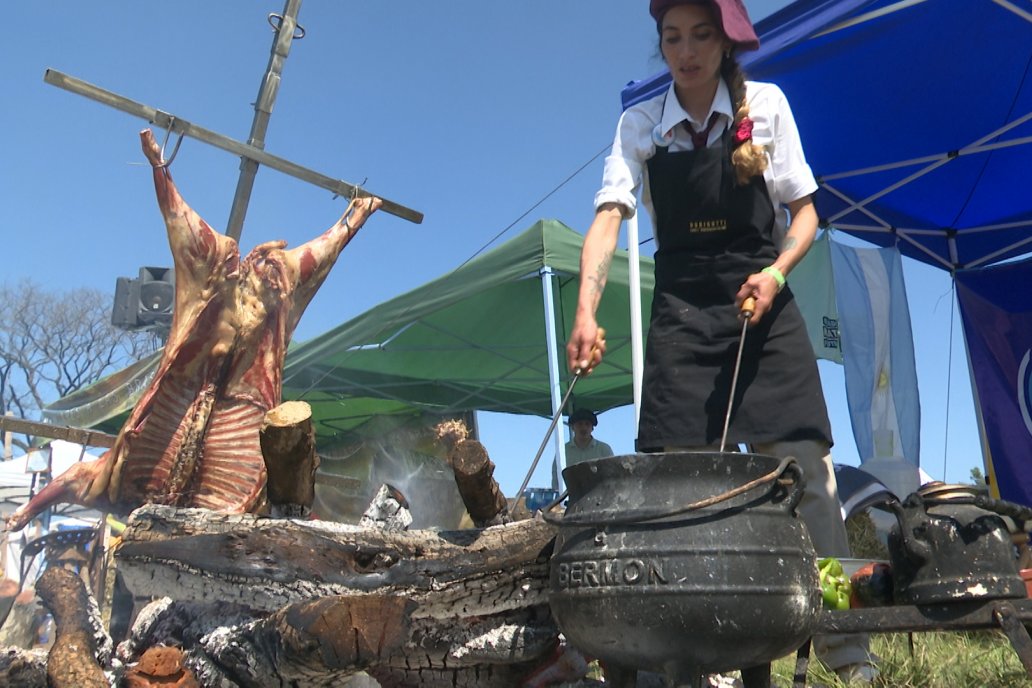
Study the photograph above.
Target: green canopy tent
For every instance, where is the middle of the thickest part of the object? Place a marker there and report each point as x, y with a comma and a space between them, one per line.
490, 335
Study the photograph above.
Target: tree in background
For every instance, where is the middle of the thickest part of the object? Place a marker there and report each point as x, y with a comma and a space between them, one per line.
54, 343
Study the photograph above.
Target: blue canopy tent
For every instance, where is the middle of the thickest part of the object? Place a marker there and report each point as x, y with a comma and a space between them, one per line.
916, 118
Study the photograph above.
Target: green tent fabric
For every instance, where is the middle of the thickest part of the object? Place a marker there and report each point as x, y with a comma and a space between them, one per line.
473, 339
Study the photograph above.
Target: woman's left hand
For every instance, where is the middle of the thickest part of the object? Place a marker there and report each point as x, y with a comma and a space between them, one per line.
763, 288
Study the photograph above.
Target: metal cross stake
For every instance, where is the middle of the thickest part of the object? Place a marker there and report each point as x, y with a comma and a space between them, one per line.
252, 152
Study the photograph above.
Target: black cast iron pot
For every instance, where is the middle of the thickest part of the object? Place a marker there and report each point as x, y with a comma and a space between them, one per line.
656, 567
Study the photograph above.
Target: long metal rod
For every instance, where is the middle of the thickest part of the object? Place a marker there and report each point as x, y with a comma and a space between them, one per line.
748, 306
181, 126
555, 419
551, 427
262, 113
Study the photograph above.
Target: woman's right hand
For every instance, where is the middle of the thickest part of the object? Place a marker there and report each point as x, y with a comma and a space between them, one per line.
586, 346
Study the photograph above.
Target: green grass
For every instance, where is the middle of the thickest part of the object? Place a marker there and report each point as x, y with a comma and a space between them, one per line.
983, 659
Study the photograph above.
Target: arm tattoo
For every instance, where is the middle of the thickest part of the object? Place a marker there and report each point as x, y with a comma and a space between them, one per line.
598, 280
790, 243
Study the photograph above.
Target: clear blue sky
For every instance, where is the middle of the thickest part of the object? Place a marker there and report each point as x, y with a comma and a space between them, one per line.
469, 111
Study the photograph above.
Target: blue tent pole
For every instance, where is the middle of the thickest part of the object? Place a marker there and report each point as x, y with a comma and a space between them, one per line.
553, 374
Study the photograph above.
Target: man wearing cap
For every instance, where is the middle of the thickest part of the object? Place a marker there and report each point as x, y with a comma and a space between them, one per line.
582, 446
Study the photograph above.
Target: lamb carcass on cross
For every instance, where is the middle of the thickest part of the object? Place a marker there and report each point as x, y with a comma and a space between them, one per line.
192, 438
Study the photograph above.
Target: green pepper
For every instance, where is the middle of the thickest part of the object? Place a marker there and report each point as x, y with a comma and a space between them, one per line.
835, 585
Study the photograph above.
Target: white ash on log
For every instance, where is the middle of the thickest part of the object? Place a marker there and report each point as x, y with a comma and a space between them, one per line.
81, 647
388, 511
474, 475
287, 439
420, 608
166, 622
265, 564
322, 641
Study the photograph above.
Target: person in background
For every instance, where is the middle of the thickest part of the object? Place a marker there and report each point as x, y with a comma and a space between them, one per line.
583, 446
721, 170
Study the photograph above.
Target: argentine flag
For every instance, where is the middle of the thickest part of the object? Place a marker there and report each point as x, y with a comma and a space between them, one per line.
854, 302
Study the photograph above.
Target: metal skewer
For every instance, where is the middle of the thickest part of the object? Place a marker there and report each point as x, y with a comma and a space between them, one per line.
555, 419
746, 312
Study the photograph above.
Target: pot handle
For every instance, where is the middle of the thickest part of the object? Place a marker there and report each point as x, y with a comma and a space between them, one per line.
644, 515
997, 506
912, 516
795, 478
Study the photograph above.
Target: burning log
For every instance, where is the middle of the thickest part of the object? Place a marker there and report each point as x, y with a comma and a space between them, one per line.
288, 445
474, 475
81, 646
161, 667
418, 608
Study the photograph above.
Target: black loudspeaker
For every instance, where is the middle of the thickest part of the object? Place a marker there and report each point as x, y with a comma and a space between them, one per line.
145, 302
156, 295
122, 315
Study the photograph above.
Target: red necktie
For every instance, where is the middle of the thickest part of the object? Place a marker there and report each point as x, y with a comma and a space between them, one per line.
700, 138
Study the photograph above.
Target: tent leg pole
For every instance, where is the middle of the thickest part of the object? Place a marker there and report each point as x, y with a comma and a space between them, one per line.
553, 375
634, 285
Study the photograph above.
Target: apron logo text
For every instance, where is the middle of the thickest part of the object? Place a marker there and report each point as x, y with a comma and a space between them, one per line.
702, 226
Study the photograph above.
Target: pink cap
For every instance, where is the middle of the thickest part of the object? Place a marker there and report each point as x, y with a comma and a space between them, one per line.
732, 15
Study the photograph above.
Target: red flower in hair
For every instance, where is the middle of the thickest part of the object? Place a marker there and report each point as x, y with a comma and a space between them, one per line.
744, 131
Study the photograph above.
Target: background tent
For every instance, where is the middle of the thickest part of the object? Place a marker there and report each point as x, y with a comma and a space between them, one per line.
916, 118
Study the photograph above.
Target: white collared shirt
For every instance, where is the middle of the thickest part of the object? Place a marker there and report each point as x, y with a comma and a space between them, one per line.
788, 176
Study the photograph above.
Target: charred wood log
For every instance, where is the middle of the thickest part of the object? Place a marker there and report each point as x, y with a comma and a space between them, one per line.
179, 624
203, 556
418, 608
81, 646
288, 445
474, 475
322, 641
24, 668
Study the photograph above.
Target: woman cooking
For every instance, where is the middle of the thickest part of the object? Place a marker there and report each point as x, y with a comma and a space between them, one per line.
721, 171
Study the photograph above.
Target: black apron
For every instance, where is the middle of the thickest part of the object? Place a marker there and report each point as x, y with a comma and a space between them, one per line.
711, 235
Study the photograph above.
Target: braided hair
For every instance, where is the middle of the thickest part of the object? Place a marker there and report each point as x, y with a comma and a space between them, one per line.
747, 158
